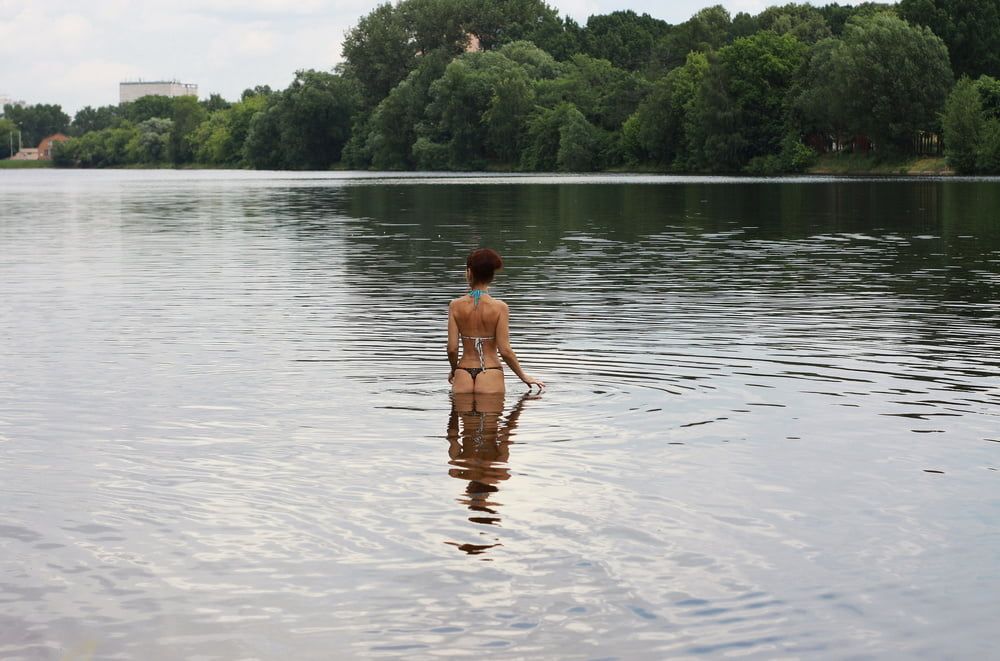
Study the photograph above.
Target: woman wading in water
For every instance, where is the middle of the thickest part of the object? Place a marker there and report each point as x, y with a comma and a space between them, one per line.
481, 324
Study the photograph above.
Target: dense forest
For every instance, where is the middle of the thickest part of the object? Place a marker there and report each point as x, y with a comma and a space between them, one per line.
512, 85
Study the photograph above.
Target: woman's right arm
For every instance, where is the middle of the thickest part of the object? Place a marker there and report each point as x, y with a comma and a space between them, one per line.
452, 341
506, 352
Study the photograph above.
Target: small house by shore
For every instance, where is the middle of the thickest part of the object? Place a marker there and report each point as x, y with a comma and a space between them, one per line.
45, 146
26, 154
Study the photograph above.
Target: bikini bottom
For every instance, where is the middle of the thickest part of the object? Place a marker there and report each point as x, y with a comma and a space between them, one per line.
476, 371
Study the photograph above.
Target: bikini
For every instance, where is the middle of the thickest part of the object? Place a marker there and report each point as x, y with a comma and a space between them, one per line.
476, 371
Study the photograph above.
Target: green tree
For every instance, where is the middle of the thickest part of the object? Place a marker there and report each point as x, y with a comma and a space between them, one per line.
220, 139
378, 53
537, 63
263, 148
838, 15
655, 132
804, 22
460, 98
988, 154
606, 95
89, 119
738, 112
147, 107
818, 103
970, 28
152, 142
385, 138
103, 148
186, 115
561, 138
962, 126
743, 25
581, 144
706, 31
8, 137
506, 116
561, 40
306, 126
489, 98
989, 92
497, 23
211, 139
214, 103
37, 121
257, 90
894, 78
382, 49
479, 106
624, 38
434, 24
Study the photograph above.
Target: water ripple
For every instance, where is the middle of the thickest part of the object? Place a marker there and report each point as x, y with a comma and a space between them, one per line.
225, 431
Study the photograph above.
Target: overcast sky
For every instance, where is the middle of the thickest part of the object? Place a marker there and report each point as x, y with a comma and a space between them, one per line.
75, 52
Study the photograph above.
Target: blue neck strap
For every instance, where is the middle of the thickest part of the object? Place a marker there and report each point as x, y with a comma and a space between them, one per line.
475, 294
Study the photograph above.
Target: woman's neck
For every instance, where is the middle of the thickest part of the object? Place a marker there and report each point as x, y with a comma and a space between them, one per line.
480, 286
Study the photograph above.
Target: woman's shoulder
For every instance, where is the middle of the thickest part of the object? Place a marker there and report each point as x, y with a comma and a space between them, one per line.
466, 301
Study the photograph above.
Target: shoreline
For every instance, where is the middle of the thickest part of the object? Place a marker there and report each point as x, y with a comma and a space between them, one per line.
848, 166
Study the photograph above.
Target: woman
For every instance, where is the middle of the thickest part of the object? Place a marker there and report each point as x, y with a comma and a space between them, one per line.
481, 323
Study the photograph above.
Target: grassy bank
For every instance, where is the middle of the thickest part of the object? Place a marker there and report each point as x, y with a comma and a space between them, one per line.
859, 164
7, 164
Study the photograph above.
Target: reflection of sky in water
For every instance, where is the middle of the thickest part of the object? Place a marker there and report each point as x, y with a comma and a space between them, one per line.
225, 426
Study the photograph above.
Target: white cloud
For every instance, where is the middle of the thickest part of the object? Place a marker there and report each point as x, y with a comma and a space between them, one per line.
256, 42
237, 42
28, 28
579, 10
317, 47
92, 78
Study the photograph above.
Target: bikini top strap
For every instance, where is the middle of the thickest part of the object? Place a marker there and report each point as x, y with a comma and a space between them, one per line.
476, 294
479, 350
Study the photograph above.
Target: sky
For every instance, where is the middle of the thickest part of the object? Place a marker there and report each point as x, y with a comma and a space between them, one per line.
75, 53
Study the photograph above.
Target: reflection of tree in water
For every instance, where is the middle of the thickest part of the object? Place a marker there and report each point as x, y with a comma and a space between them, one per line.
479, 439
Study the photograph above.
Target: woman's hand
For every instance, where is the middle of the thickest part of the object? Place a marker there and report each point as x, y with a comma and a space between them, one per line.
530, 381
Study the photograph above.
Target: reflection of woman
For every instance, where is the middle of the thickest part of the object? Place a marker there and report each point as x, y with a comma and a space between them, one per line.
481, 323
478, 449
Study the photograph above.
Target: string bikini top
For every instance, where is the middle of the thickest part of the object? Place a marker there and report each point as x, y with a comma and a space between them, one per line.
476, 294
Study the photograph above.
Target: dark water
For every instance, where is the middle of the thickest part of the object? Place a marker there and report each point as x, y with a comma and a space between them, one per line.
772, 427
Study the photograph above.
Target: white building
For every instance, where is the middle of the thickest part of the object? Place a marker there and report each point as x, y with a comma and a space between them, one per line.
132, 90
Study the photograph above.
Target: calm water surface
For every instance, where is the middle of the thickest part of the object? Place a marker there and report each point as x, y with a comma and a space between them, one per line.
772, 427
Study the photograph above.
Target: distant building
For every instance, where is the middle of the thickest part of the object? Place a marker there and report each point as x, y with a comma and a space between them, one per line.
26, 154
131, 90
45, 146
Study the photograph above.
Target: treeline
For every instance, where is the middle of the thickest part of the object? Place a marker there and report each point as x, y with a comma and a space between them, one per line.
511, 85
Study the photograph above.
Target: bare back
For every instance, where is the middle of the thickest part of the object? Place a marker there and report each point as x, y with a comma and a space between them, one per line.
478, 321
483, 331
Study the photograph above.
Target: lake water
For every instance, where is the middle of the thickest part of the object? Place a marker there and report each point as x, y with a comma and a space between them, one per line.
772, 426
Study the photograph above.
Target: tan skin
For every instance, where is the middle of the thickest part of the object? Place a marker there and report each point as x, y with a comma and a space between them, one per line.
490, 318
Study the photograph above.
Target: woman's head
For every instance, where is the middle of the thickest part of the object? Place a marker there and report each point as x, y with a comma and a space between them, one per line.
482, 265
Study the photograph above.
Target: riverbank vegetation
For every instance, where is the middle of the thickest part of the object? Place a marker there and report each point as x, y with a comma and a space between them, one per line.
9, 164
466, 85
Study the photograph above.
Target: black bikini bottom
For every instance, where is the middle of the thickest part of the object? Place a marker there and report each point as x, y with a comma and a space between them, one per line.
476, 371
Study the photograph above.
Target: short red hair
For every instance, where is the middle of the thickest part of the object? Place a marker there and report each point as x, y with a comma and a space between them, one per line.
483, 263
